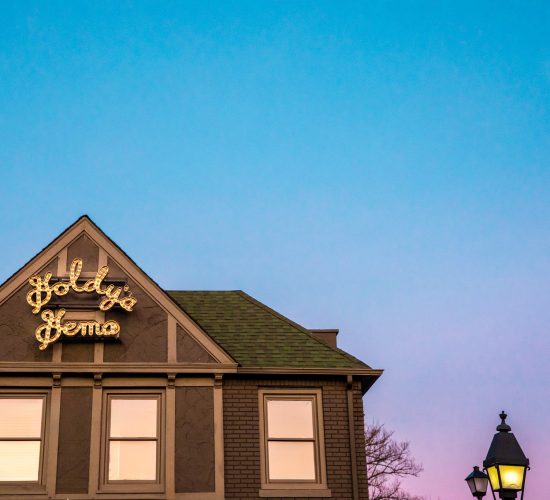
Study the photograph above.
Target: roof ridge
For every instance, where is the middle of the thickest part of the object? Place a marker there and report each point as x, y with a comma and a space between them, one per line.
299, 327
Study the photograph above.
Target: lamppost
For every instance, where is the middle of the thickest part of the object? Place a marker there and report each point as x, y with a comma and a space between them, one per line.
506, 466
478, 482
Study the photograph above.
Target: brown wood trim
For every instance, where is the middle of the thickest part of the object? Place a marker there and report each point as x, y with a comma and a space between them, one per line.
17, 491
85, 226
292, 493
172, 340
218, 440
25, 382
29, 382
316, 395
19, 279
351, 425
36, 495
309, 371
102, 258
47, 367
133, 487
40, 487
57, 352
62, 262
195, 381
99, 349
189, 368
170, 452
95, 441
199, 496
53, 438
110, 496
134, 382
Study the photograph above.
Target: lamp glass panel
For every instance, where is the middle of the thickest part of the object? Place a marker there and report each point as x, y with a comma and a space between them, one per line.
481, 484
472, 485
132, 460
134, 418
511, 476
19, 460
288, 418
21, 418
493, 477
291, 460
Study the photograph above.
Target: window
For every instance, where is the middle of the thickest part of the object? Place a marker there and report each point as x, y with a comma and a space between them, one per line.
291, 440
132, 451
22, 423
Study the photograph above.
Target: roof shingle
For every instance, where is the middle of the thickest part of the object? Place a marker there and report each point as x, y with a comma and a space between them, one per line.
257, 336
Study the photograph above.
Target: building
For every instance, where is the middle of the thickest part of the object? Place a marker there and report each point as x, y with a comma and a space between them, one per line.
113, 388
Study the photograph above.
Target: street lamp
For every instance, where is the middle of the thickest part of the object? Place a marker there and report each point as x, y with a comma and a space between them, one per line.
506, 464
478, 482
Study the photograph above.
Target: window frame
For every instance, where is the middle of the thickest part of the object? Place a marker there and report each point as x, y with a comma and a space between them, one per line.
294, 487
133, 485
38, 486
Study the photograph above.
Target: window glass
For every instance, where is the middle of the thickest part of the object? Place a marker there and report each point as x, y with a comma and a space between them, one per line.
133, 460
21, 422
134, 417
21, 418
19, 460
291, 460
290, 418
133, 440
291, 439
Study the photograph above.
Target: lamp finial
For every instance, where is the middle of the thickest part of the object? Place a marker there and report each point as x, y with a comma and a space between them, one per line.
503, 427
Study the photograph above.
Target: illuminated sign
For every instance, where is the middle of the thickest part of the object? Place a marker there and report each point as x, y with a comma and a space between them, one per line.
54, 328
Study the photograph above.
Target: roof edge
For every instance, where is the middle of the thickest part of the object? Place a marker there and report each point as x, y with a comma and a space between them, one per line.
37, 254
85, 219
367, 376
297, 326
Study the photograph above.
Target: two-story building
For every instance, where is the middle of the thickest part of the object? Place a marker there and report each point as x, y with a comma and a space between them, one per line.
113, 388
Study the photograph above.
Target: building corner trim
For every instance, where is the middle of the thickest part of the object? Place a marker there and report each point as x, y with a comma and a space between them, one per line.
352, 444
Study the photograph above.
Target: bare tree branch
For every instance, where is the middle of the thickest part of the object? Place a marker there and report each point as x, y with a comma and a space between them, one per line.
387, 463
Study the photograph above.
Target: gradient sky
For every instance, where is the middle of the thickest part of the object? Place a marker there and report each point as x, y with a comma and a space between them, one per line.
382, 167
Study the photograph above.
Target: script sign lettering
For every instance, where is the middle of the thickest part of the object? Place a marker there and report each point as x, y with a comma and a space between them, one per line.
53, 328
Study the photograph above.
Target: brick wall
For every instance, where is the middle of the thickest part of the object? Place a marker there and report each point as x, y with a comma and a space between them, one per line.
242, 439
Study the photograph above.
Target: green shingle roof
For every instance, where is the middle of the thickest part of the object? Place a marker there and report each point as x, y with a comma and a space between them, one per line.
255, 335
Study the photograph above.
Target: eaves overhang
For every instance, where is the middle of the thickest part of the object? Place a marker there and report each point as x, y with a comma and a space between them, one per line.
368, 376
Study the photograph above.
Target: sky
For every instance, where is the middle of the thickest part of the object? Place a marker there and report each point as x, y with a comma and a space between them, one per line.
381, 167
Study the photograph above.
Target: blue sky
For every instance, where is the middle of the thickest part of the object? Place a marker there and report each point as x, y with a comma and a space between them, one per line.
382, 167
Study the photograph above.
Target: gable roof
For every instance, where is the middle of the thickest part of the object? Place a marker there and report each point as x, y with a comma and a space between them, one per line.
233, 326
257, 336
84, 225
